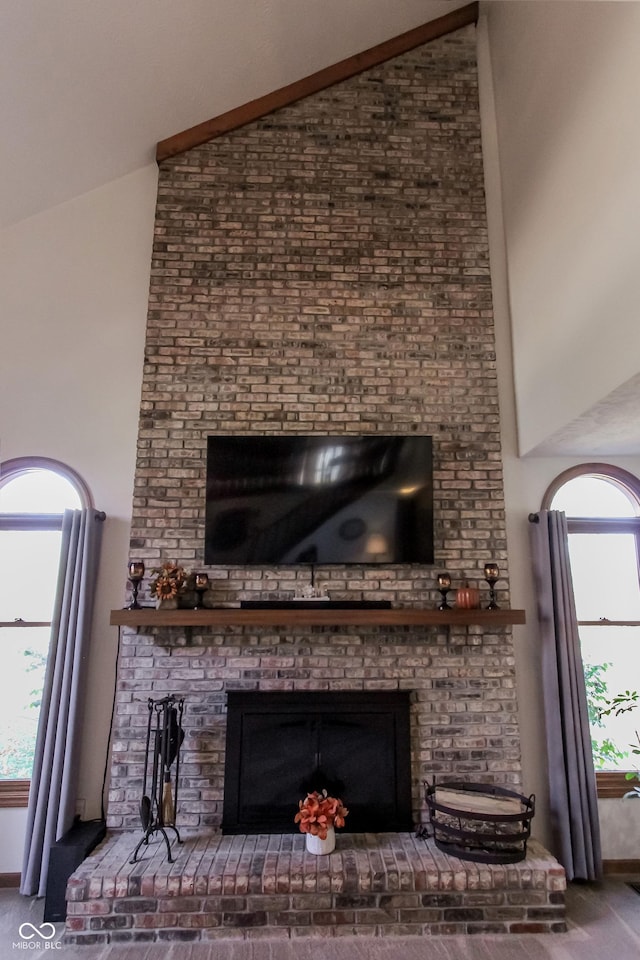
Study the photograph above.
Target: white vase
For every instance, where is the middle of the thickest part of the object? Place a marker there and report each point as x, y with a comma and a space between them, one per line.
170, 604
318, 846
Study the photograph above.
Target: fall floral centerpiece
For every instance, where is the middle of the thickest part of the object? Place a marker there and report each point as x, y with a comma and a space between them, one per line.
169, 580
317, 815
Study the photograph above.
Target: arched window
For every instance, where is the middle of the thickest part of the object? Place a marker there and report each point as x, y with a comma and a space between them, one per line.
602, 505
34, 493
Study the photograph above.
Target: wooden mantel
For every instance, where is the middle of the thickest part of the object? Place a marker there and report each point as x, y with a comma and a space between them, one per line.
333, 617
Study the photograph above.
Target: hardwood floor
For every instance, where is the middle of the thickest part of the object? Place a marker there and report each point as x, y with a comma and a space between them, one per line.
604, 921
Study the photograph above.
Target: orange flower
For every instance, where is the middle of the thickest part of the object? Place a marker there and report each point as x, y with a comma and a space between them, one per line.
317, 812
169, 581
166, 589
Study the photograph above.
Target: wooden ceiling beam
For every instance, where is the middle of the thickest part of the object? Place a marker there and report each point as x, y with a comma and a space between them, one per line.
343, 70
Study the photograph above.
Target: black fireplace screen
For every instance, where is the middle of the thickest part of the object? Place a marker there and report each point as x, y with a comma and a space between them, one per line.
280, 746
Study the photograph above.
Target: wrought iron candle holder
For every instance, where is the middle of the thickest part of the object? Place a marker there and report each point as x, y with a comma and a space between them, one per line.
492, 575
444, 586
201, 585
136, 573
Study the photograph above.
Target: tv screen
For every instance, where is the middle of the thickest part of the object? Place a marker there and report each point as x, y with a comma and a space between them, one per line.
319, 500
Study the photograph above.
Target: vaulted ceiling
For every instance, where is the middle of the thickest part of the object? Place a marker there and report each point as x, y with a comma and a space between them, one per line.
89, 88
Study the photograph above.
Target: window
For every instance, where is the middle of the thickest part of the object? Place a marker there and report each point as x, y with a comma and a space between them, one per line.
602, 505
34, 494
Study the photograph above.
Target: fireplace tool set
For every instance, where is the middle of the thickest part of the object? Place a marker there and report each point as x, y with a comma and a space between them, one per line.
159, 794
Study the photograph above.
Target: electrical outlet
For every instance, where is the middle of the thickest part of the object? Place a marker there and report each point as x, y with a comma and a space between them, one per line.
81, 807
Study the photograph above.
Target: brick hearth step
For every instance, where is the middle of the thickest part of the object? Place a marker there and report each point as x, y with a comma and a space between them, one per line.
269, 886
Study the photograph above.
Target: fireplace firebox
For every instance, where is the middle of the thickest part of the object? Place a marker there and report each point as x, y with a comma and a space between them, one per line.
354, 744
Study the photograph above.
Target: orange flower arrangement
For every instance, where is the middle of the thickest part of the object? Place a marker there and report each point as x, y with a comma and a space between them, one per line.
170, 579
318, 811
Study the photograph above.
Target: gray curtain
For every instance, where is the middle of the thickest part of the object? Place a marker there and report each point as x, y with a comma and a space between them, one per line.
52, 798
572, 781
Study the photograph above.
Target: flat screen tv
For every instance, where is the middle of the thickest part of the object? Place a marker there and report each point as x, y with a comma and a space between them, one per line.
319, 500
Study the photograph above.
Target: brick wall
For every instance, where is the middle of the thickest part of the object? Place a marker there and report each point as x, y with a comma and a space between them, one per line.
326, 270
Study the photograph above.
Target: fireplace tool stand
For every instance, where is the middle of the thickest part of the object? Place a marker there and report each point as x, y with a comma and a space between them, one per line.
159, 801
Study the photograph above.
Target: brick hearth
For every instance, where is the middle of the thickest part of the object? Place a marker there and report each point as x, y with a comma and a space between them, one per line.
251, 887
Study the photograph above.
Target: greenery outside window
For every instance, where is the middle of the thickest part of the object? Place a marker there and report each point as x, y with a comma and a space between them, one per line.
602, 505
34, 494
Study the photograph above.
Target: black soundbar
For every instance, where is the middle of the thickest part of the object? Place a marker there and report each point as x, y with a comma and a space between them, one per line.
315, 604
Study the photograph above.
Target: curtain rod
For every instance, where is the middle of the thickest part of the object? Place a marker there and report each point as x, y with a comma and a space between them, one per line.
534, 518
100, 515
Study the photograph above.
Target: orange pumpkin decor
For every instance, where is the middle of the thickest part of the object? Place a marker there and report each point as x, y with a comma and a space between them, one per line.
467, 598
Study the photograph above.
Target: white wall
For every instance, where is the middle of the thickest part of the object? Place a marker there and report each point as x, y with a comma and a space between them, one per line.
74, 291
567, 81
13, 824
620, 827
526, 480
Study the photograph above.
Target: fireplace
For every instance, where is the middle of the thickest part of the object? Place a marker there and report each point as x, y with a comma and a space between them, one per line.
354, 744
370, 313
